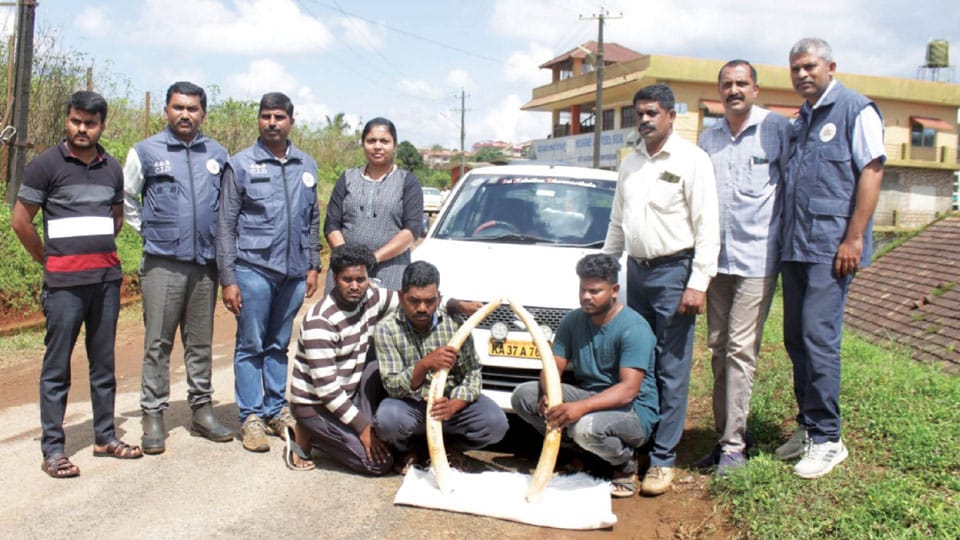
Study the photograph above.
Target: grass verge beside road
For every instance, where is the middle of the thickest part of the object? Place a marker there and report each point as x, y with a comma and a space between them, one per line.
901, 425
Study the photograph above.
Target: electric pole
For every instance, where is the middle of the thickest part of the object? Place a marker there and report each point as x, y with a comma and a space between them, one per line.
598, 68
21, 99
463, 112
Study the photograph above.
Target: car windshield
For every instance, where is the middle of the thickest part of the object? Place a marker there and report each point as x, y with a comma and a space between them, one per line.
431, 191
529, 209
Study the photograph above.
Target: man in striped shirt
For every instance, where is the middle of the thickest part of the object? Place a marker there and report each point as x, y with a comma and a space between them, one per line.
336, 386
80, 189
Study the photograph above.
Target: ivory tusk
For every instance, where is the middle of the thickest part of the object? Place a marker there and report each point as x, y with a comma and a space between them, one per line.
551, 377
438, 455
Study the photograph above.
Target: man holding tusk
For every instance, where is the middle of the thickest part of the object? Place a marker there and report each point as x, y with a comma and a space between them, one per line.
412, 346
612, 407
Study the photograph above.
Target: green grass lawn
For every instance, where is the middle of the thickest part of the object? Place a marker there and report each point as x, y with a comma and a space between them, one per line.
901, 425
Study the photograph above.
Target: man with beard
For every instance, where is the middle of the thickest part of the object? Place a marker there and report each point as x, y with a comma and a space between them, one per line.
410, 347
665, 216
268, 255
80, 189
176, 174
611, 409
748, 147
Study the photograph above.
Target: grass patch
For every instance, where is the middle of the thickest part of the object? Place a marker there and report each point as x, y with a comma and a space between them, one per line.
902, 479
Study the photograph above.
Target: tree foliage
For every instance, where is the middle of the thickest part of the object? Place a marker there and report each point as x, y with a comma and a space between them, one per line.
408, 157
488, 154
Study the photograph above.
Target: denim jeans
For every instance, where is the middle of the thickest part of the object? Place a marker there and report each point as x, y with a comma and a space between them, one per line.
95, 307
176, 294
264, 327
399, 422
655, 293
612, 435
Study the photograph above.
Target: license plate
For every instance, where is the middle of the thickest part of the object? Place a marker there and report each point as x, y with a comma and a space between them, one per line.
514, 349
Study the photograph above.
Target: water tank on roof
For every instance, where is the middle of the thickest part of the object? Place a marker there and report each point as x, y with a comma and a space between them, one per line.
938, 53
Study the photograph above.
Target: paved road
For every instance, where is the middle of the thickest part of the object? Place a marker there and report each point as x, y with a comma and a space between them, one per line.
200, 489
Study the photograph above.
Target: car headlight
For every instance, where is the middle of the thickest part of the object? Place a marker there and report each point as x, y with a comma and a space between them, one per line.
547, 332
499, 331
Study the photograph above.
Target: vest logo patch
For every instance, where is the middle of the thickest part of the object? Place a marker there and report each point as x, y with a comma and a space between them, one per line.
309, 180
258, 169
828, 132
213, 167
161, 167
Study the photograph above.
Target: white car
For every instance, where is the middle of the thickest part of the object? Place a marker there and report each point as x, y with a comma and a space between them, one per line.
516, 232
432, 200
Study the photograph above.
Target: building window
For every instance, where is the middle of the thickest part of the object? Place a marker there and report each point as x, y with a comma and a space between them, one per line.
922, 137
628, 117
608, 119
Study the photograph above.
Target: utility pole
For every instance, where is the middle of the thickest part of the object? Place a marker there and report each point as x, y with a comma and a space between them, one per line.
598, 68
21, 99
463, 112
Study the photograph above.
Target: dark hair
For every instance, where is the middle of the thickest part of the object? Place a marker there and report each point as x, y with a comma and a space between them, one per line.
738, 62
599, 265
89, 102
188, 89
379, 121
659, 92
276, 100
419, 274
347, 255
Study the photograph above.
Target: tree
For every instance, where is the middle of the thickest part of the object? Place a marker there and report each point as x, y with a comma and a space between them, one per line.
488, 154
408, 156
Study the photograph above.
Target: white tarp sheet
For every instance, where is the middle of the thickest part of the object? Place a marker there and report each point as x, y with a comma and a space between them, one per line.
577, 501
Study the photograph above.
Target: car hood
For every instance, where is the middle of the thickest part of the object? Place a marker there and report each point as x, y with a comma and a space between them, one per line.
542, 276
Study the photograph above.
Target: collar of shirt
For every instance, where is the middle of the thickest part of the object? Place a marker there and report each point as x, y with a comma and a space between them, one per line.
664, 151
756, 117
833, 83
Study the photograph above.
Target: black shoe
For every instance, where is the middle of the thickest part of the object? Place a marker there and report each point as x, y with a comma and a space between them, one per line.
205, 425
154, 433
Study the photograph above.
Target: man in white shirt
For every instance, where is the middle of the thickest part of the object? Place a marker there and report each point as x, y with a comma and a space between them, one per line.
665, 216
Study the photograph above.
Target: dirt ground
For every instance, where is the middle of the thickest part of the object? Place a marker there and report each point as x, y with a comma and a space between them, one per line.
684, 512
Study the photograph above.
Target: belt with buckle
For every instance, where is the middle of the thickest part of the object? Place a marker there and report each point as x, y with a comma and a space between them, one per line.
666, 259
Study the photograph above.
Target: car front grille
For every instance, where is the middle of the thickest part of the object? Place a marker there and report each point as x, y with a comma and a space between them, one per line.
544, 316
506, 379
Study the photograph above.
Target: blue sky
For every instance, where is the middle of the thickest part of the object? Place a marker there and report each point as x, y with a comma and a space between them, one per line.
408, 61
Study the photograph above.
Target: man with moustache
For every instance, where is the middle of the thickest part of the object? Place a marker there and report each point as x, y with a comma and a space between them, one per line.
410, 347
830, 193
748, 147
336, 385
80, 189
665, 216
268, 255
611, 408
172, 189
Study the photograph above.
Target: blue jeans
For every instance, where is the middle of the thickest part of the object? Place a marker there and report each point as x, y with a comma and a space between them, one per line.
399, 421
612, 435
813, 300
96, 307
264, 327
655, 293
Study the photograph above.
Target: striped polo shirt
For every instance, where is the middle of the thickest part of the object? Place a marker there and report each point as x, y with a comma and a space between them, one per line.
78, 226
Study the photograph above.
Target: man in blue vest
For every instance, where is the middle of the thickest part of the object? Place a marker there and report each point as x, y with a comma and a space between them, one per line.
830, 192
172, 187
268, 254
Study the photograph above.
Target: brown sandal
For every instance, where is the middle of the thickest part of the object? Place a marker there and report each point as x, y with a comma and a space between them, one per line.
118, 449
59, 466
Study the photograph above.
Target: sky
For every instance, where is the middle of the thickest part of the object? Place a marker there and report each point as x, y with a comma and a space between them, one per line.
410, 61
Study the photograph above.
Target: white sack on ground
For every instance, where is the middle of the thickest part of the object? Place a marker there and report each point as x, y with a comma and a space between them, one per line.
577, 501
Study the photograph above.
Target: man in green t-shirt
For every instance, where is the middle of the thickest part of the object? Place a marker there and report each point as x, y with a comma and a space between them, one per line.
612, 407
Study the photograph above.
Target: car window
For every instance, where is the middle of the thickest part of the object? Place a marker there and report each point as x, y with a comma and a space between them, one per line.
529, 208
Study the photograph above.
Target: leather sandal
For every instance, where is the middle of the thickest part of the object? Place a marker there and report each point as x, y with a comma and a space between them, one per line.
59, 466
118, 449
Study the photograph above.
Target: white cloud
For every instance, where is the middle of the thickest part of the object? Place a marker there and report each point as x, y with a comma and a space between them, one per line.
504, 121
92, 21
252, 27
267, 75
420, 89
524, 66
360, 33
460, 78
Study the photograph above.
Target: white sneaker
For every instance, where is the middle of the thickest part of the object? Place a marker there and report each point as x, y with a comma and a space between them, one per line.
793, 447
820, 459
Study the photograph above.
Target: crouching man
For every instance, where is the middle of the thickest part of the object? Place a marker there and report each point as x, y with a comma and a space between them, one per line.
410, 347
612, 407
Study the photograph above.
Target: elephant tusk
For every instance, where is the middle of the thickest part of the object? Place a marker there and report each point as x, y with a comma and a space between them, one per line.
438, 455
551, 377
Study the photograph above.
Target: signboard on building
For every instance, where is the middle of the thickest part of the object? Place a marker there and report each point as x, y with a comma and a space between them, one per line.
578, 149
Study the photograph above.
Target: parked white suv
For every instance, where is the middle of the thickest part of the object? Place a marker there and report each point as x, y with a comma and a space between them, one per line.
517, 232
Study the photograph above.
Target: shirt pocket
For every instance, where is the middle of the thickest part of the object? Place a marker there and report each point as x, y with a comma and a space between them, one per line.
161, 201
756, 181
666, 197
828, 224
834, 172
262, 199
